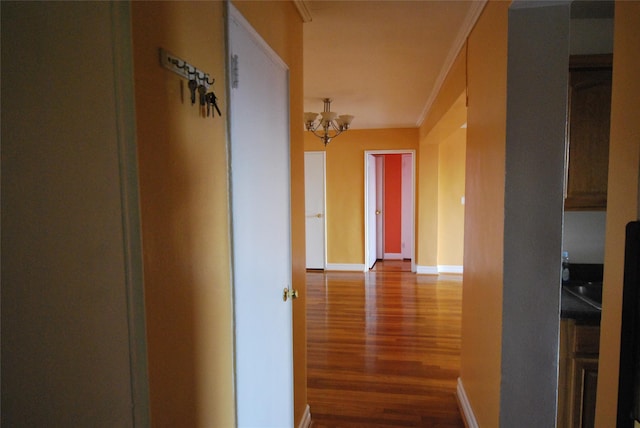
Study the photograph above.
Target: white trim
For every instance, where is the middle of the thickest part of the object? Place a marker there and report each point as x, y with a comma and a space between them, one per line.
449, 269
303, 10
465, 406
392, 256
352, 267
305, 422
469, 22
427, 270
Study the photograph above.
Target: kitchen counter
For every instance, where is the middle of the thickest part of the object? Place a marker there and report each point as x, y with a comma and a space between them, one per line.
575, 308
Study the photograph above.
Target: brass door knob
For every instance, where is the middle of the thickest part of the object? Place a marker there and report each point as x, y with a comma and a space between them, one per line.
289, 294
378, 212
319, 215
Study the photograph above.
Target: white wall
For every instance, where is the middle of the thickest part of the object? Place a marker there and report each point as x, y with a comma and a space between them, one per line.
537, 76
591, 36
583, 236
67, 309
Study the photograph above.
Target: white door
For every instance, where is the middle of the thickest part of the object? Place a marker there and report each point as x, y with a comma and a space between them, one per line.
260, 198
371, 211
407, 206
314, 200
379, 202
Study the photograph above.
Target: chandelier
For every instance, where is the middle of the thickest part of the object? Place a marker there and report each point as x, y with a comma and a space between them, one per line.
327, 125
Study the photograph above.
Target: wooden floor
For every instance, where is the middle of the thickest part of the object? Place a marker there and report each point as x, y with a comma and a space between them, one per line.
383, 348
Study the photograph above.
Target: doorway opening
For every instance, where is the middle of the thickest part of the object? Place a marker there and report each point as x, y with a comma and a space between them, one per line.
389, 206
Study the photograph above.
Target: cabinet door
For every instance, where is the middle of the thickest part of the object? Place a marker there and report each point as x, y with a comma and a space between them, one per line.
589, 123
585, 383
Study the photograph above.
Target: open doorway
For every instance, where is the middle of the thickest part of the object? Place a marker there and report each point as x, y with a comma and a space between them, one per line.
389, 206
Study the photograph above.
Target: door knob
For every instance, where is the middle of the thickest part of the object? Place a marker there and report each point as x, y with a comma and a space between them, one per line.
289, 294
319, 215
378, 212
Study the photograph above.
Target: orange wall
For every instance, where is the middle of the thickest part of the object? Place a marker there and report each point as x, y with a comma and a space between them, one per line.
447, 114
622, 198
441, 214
184, 205
484, 213
393, 204
345, 185
454, 84
184, 208
427, 203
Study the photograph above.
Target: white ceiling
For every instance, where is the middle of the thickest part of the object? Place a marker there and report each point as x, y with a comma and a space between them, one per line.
382, 61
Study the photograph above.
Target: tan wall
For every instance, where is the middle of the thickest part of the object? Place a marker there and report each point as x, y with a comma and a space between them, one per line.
484, 213
451, 175
622, 198
184, 204
70, 267
345, 185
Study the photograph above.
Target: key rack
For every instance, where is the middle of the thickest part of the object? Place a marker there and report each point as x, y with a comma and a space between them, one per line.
184, 69
199, 83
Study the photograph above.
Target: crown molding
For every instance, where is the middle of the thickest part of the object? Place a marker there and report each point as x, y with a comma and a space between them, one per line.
303, 10
469, 22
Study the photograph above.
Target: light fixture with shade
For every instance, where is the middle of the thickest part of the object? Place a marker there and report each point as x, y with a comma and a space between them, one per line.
328, 124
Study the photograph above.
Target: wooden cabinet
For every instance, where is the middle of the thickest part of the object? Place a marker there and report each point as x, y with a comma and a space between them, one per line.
578, 374
588, 132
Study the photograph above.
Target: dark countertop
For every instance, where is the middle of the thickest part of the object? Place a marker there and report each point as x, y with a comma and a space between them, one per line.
575, 308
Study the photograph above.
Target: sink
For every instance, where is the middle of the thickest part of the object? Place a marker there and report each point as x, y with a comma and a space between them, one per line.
588, 292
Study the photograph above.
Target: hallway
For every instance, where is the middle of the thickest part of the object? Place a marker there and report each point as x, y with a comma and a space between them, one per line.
383, 348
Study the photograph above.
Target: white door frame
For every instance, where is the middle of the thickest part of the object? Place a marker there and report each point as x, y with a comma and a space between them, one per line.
324, 203
367, 202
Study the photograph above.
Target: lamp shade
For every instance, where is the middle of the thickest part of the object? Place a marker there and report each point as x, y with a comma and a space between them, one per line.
346, 119
310, 116
328, 115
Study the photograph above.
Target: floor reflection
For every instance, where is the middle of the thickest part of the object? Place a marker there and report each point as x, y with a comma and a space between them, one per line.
383, 347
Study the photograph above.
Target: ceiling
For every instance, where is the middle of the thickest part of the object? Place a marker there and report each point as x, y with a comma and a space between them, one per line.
381, 61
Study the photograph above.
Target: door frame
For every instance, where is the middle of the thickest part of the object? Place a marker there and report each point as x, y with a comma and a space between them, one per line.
131, 217
367, 203
324, 203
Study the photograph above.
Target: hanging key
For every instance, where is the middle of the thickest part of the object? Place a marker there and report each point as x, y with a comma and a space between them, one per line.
214, 103
193, 85
202, 90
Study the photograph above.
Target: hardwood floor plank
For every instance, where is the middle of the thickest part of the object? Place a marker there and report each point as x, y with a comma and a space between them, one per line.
383, 348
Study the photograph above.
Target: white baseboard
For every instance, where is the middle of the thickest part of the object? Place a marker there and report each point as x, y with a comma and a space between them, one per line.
449, 269
427, 270
393, 256
465, 406
355, 267
306, 418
